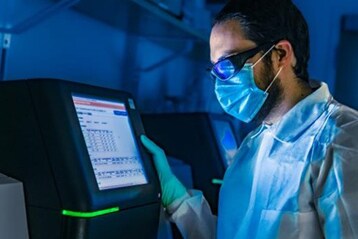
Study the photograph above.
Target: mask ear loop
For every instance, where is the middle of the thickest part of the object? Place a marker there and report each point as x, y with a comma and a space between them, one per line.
263, 56
278, 73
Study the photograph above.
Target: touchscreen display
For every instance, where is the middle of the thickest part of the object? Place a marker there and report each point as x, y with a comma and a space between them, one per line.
113, 152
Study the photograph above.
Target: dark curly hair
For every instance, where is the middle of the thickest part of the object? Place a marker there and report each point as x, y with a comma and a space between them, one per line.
263, 21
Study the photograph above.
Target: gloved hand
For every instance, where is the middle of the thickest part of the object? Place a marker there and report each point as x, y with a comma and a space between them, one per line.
172, 188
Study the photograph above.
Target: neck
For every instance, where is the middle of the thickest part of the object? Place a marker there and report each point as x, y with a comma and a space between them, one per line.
293, 93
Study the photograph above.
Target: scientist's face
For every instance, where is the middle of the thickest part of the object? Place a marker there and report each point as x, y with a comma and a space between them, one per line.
227, 39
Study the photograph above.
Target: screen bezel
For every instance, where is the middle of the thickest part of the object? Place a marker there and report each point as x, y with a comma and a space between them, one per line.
90, 97
71, 165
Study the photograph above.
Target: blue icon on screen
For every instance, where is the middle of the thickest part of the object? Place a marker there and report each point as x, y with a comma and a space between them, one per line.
120, 113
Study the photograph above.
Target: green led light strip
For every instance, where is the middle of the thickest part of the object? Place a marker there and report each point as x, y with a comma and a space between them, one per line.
89, 214
217, 181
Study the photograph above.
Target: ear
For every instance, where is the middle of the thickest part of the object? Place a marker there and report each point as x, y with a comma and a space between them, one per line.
284, 54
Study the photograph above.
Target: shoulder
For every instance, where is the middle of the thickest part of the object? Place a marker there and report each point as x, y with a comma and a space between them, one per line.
341, 128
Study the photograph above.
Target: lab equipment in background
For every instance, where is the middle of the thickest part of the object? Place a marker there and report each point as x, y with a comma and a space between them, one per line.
75, 148
206, 142
13, 222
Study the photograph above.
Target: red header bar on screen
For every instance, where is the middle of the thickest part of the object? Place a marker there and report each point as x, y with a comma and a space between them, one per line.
98, 104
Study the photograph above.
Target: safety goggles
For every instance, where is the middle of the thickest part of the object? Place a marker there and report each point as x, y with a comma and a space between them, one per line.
229, 66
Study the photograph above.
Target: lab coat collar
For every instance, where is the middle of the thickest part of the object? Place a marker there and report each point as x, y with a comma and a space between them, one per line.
303, 114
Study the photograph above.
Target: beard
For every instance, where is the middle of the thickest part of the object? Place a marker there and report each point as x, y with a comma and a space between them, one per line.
275, 93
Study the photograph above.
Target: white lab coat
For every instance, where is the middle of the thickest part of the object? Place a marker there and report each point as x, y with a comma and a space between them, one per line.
297, 178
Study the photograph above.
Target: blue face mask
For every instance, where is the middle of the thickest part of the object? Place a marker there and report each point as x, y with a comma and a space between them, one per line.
239, 96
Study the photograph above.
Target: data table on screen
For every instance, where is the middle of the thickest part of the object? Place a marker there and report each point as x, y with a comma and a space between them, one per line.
110, 142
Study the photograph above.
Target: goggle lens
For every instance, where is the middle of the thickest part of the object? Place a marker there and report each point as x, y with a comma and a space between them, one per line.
223, 70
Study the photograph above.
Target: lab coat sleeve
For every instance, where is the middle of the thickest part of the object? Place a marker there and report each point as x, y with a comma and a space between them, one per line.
337, 201
193, 216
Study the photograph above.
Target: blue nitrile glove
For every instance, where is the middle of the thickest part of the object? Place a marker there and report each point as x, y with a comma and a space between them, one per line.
172, 188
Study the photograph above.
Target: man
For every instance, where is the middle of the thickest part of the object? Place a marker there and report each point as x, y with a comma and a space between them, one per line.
296, 175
